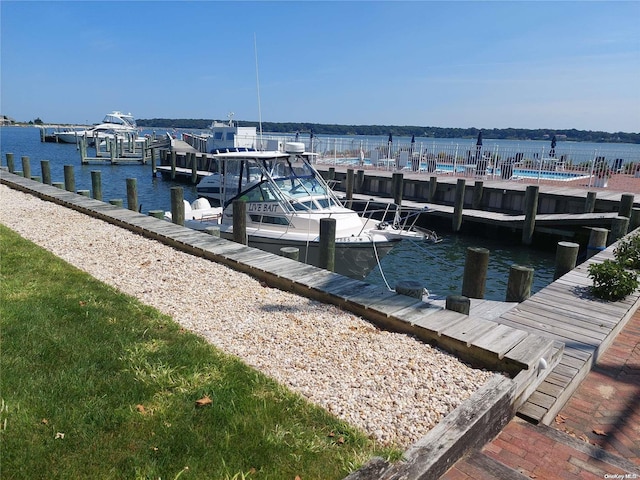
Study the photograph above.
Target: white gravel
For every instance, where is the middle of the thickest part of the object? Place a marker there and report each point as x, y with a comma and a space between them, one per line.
393, 386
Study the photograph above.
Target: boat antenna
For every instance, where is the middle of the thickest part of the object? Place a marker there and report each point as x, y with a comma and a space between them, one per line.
255, 49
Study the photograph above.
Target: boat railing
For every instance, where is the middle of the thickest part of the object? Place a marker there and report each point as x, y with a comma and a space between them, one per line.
399, 217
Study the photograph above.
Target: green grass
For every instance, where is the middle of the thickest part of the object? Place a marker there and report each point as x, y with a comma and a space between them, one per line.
96, 385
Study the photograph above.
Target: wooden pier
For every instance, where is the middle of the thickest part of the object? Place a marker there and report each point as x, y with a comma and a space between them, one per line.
545, 344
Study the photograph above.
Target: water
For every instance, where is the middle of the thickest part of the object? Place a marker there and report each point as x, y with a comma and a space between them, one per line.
153, 193
439, 267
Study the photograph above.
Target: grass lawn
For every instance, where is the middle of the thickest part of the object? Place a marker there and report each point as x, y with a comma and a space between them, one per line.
96, 385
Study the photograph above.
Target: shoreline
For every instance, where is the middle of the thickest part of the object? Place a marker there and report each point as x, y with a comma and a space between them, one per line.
392, 386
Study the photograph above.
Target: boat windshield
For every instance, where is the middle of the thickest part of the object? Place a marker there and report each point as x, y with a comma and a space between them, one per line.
289, 180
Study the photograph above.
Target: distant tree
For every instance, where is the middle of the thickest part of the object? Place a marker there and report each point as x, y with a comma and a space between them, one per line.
37, 121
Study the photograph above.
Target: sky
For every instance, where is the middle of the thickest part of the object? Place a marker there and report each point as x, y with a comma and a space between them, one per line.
459, 64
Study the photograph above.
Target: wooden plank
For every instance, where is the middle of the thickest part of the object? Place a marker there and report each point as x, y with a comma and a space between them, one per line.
567, 321
394, 303
415, 313
500, 339
554, 329
467, 330
528, 351
440, 321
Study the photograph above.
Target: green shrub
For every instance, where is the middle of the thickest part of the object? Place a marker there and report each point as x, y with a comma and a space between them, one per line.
627, 252
611, 281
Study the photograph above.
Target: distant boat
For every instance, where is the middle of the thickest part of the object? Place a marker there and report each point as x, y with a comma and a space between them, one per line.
286, 200
114, 124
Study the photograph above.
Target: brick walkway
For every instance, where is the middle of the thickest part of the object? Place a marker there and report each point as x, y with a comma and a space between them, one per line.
595, 436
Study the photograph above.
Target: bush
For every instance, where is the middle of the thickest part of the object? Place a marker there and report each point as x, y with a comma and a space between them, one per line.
611, 281
627, 252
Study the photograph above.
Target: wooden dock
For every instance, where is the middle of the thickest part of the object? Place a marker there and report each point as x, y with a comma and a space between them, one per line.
546, 343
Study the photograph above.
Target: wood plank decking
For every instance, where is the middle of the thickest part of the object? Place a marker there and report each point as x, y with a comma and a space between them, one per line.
547, 343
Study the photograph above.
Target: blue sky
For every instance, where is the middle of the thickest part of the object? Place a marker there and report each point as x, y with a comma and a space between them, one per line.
556, 65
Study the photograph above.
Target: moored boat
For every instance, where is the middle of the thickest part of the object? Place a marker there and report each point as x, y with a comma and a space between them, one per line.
286, 199
113, 124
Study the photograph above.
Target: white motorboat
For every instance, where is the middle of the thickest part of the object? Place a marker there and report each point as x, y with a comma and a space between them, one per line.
286, 198
113, 124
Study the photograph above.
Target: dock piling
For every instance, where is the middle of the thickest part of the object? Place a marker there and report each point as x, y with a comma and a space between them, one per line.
566, 258
328, 243
530, 210
177, 205
132, 194
240, 222
69, 179
590, 202
635, 219
519, 283
397, 185
290, 252
597, 241
26, 167
10, 163
619, 227
458, 303
458, 205
475, 272
96, 184
626, 205
45, 168
477, 194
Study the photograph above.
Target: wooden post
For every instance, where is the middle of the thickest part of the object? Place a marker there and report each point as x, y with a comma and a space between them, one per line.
359, 188
156, 214
626, 205
173, 165
45, 168
153, 162
177, 205
597, 241
566, 258
397, 185
458, 303
214, 231
519, 284
475, 272
619, 227
114, 146
458, 205
635, 219
332, 173
410, 288
240, 222
26, 167
290, 252
10, 163
117, 202
194, 167
328, 243
530, 210
476, 203
433, 188
590, 202
96, 184
349, 186
132, 194
69, 179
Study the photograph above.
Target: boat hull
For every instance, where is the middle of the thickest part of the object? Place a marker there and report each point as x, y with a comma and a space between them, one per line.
352, 259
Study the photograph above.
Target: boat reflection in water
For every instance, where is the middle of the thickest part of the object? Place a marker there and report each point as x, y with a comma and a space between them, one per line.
285, 200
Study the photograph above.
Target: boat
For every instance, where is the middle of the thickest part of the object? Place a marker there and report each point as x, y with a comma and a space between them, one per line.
113, 124
286, 198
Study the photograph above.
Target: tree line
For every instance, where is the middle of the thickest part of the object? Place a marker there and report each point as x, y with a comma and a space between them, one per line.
406, 131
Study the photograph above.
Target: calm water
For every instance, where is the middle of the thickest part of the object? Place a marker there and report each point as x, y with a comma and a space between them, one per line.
439, 267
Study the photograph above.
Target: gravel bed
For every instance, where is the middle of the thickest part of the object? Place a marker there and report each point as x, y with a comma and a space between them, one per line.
391, 385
